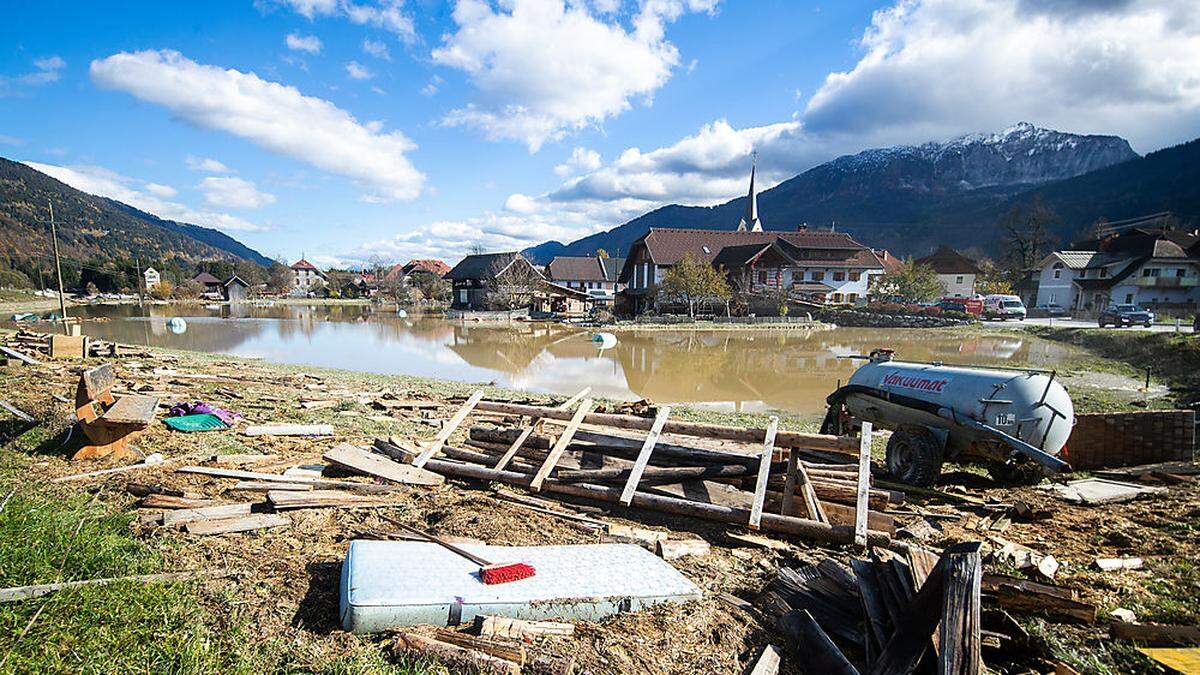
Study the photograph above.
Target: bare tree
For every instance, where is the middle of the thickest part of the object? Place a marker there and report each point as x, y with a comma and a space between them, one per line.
512, 286
1027, 235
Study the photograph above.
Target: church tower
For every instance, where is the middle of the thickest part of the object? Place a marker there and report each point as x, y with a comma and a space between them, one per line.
750, 221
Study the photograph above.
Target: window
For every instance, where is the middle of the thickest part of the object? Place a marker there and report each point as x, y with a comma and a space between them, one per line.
1151, 271
1181, 272
1128, 298
837, 297
854, 276
818, 275
1103, 272
762, 277
959, 279
839, 276
1058, 270
852, 297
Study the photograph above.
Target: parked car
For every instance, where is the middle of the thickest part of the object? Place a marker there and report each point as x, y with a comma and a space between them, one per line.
971, 306
1050, 309
1003, 307
1126, 315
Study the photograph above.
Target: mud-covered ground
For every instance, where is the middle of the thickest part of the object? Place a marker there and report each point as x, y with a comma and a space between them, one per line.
278, 612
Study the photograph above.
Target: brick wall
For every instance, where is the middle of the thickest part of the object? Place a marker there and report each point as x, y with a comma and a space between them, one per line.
1129, 439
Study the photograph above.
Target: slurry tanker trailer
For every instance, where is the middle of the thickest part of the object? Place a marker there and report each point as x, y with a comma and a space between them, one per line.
1014, 419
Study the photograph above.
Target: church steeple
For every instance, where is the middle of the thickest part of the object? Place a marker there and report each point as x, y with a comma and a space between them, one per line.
750, 221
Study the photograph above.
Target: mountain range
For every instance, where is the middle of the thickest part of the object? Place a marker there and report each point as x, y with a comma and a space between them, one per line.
98, 229
910, 199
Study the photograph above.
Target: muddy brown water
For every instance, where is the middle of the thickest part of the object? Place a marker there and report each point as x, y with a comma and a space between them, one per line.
746, 370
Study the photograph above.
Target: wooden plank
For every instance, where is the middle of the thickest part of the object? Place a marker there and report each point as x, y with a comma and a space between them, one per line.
289, 430
68, 346
788, 507
132, 409
12, 353
768, 661
16, 412
160, 501
764, 470
566, 405
509, 651
317, 482
98, 380
456, 659
257, 521
207, 513
38, 590
959, 638
843, 445
377, 465
444, 435
864, 484
639, 465
560, 447
516, 446
296, 499
1155, 634
267, 486
812, 501
504, 627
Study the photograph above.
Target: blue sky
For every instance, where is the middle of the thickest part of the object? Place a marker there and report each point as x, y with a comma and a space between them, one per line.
345, 129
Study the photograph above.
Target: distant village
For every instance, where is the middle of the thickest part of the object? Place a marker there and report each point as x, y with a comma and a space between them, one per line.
749, 271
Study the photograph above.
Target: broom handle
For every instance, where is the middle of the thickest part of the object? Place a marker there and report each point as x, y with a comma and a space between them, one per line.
429, 537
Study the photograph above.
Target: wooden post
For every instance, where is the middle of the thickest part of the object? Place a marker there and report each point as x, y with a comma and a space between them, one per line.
561, 446
639, 466
764, 470
444, 434
864, 485
789, 487
959, 637
62, 298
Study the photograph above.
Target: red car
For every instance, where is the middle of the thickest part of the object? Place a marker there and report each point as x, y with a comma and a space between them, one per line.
972, 306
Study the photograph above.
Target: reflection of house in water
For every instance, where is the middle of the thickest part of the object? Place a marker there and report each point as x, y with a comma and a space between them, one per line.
510, 349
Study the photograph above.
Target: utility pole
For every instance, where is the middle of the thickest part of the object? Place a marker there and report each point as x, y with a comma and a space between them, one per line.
62, 298
139, 280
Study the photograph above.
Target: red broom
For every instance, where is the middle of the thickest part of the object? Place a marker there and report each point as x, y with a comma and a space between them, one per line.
491, 573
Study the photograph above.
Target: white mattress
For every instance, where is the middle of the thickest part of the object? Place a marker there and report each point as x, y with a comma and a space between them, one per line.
388, 584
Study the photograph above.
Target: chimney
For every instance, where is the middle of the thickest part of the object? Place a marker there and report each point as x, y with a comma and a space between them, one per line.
802, 227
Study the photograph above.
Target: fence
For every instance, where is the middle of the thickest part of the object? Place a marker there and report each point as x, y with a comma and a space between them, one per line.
1132, 438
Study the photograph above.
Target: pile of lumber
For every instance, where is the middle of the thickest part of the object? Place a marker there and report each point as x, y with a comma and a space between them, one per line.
493, 644
30, 343
914, 613
750, 477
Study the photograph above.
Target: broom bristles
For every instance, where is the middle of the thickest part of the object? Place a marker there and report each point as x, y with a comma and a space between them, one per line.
504, 573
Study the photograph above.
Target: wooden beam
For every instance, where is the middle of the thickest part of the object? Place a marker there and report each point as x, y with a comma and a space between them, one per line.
316, 482
764, 471
444, 435
38, 590
23, 358
257, 521
959, 639
560, 447
639, 465
566, 405
534, 424
843, 445
864, 485
789, 487
16, 412
379, 466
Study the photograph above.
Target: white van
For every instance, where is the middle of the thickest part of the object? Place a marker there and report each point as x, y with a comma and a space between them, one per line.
1003, 307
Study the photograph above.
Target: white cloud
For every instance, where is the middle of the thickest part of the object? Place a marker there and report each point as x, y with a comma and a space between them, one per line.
11, 140
160, 190
304, 43
207, 165
149, 197
582, 160
377, 49
431, 88
358, 71
384, 14
519, 203
938, 68
46, 70
274, 116
233, 193
544, 69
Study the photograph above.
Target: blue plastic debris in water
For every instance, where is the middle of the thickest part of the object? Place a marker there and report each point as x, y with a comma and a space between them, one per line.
604, 340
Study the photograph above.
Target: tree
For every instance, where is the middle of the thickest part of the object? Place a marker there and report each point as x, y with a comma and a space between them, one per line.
910, 281
163, 290
1027, 235
691, 281
431, 286
992, 280
601, 253
279, 278
512, 286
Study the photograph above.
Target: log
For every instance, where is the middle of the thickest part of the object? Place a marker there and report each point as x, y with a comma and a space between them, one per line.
840, 493
456, 659
652, 475
508, 651
770, 522
504, 627
844, 445
1022, 595
444, 435
674, 549
959, 639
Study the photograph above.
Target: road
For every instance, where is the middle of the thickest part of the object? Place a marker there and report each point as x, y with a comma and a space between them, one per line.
1066, 322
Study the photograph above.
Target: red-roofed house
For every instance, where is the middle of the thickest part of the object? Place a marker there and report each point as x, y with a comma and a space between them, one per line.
306, 276
432, 265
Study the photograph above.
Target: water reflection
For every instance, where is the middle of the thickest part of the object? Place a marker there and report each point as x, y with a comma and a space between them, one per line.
743, 370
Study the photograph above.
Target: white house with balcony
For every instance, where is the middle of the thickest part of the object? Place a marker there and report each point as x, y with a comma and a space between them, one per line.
151, 278
1154, 268
1057, 275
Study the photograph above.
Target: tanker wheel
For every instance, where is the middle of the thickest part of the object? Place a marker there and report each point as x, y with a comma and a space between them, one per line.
914, 456
1016, 473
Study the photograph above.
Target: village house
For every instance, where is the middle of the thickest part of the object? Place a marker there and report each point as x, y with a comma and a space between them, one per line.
235, 289
1142, 262
306, 277
210, 285
150, 278
955, 271
498, 281
399, 276
595, 276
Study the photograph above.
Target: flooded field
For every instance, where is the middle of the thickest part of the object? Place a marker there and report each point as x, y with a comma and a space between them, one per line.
725, 369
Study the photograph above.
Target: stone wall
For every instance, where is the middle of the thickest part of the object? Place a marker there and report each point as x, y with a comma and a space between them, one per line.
1129, 439
860, 318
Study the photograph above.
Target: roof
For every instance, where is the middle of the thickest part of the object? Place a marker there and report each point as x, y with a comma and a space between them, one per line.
667, 246
576, 268
1072, 260
206, 279
946, 260
812, 287
741, 255
303, 264
563, 290
236, 279
612, 267
890, 262
483, 265
431, 265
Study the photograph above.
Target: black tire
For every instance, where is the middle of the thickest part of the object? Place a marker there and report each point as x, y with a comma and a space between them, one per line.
1014, 473
914, 456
